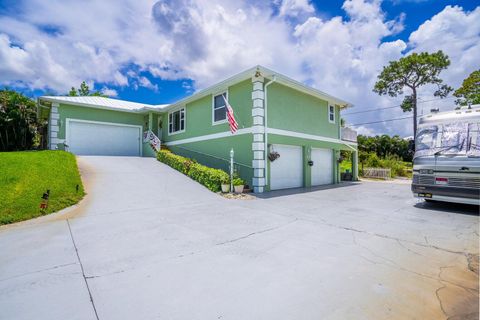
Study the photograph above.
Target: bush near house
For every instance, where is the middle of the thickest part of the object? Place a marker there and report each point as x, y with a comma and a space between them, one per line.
398, 167
25, 176
209, 177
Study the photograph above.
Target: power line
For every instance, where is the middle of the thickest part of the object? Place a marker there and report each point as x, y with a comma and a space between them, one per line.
396, 106
358, 124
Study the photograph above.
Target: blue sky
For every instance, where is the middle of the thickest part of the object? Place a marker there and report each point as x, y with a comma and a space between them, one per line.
160, 51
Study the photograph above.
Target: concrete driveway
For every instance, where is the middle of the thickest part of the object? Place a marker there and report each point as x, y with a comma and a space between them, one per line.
148, 243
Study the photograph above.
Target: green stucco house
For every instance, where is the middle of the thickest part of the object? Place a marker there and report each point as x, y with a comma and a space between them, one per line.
289, 134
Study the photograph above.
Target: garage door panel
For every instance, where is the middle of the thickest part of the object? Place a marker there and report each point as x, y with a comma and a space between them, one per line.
287, 171
91, 138
322, 169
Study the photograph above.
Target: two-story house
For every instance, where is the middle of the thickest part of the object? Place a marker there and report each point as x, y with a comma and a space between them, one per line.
289, 134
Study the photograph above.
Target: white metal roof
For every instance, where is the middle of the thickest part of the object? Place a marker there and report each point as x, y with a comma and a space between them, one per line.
128, 106
106, 103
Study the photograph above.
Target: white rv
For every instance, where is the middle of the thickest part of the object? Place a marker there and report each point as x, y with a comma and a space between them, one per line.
446, 164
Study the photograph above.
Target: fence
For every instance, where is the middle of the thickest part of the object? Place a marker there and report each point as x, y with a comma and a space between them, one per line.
213, 161
377, 173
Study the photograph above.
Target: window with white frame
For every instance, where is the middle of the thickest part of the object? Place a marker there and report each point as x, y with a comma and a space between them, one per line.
219, 108
176, 121
331, 114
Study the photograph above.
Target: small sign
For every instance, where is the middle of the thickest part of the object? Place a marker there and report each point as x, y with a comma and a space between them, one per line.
441, 181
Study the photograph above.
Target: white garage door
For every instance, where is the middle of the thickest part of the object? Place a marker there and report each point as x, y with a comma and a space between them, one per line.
103, 139
286, 171
322, 169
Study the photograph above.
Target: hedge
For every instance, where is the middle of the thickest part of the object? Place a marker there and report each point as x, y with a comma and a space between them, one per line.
209, 177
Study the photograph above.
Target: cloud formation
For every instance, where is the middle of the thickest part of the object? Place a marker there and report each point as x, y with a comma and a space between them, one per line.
56, 44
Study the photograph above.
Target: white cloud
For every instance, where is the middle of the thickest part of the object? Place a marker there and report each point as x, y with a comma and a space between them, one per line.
207, 41
294, 8
144, 82
456, 33
109, 92
365, 131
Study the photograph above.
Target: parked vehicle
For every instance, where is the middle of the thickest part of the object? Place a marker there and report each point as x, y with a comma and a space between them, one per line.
446, 164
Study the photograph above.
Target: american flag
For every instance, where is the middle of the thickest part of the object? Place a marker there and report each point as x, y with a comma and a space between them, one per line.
231, 118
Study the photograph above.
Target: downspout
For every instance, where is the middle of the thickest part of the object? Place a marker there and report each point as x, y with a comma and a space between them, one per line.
266, 126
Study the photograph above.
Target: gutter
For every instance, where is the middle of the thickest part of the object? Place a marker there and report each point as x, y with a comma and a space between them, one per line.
265, 124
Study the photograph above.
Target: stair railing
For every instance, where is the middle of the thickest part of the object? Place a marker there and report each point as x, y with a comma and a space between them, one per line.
150, 138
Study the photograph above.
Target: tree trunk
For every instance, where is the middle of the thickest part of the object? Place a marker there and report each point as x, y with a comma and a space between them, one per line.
414, 102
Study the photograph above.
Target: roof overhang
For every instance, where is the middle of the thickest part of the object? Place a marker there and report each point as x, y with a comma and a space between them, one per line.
142, 110
266, 73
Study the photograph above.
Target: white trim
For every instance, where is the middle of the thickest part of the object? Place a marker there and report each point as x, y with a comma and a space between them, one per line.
307, 136
328, 113
184, 121
140, 140
214, 123
265, 73
210, 137
146, 108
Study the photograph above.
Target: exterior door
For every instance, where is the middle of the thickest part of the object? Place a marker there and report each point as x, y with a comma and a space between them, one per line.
104, 139
287, 170
322, 169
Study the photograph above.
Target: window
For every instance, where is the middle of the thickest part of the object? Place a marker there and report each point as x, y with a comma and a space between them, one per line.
219, 108
425, 141
331, 114
176, 121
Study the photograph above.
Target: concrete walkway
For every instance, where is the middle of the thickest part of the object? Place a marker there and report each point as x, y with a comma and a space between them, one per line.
149, 243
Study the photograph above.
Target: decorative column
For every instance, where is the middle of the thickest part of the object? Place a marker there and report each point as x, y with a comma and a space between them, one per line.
54, 127
258, 129
355, 165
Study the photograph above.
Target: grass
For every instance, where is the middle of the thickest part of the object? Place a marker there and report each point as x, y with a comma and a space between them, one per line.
25, 176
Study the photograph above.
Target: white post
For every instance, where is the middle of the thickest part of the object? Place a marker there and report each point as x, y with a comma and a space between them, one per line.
231, 169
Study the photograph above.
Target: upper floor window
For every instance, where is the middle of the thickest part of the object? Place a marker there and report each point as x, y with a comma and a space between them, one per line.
331, 114
219, 108
176, 121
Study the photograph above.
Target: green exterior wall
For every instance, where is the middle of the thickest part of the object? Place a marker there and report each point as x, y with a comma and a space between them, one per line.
67, 111
215, 153
292, 110
198, 122
198, 114
288, 109
307, 145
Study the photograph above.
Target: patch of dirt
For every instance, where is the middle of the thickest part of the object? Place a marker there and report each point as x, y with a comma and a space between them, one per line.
238, 196
473, 262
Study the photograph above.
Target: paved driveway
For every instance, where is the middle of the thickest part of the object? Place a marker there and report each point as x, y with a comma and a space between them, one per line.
148, 243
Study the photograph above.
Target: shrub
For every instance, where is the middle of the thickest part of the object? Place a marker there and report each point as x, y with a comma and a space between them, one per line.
238, 182
209, 177
393, 162
225, 180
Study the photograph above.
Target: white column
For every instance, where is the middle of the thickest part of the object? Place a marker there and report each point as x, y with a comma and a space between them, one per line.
54, 126
258, 114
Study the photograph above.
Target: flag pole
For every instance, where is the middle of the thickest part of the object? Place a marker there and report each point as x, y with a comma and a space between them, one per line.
231, 169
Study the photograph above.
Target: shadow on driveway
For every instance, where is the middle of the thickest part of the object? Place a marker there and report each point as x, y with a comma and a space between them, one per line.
288, 192
467, 209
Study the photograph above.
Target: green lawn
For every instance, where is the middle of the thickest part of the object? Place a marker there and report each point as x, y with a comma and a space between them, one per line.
25, 176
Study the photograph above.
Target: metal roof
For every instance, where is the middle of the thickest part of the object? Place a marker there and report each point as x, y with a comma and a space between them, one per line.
106, 103
128, 106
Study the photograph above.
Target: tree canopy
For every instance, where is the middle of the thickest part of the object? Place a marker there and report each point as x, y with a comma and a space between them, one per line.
384, 146
469, 92
84, 90
412, 72
18, 125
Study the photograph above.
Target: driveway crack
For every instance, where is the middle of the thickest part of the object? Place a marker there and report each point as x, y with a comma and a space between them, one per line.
83, 271
255, 233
